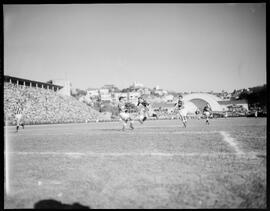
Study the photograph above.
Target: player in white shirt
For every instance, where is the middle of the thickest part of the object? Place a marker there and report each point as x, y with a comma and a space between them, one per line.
182, 111
18, 117
124, 115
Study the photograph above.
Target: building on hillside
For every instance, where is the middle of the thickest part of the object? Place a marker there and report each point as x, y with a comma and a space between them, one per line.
103, 91
144, 91
92, 93
156, 87
111, 88
133, 97
137, 85
106, 97
160, 92
73, 91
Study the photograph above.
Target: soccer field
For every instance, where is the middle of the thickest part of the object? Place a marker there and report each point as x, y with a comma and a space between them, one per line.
159, 164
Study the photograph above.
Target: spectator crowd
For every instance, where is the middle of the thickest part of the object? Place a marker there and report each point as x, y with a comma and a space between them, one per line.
44, 106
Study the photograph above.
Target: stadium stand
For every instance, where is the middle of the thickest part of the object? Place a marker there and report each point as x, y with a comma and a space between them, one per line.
44, 106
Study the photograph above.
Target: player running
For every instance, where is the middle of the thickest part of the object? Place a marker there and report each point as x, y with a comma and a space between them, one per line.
207, 112
226, 115
182, 111
18, 117
198, 113
144, 109
124, 115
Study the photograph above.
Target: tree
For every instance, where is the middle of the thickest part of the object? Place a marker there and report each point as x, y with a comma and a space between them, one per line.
257, 97
244, 94
78, 93
129, 89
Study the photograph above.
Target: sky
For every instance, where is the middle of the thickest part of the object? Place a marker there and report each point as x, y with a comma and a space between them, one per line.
179, 47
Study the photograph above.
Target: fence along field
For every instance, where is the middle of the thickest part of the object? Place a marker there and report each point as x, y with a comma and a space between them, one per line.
157, 165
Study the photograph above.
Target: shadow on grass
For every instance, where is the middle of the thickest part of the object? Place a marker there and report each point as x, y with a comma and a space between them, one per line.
118, 129
54, 204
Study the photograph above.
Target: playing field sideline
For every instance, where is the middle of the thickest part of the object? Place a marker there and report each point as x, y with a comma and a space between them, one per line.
160, 164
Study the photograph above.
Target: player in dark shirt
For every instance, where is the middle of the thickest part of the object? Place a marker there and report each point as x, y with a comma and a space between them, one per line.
180, 103
143, 106
207, 112
197, 112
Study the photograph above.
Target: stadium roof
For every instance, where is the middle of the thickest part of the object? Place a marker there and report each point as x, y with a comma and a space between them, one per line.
7, 79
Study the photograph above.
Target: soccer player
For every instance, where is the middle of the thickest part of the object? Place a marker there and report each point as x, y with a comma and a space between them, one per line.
124, 115
197, 112
256, 113
154, 114
182, 111
143, 107
18, 117
207, 112
226, 114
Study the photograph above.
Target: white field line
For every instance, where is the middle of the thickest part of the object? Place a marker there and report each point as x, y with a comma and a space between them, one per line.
124, 154
231, 141
262, 137
97, 131
179, 132
110, 154
115, 132
54, 127
90, 124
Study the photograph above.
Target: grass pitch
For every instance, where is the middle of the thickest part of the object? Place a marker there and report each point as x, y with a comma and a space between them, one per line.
159, 164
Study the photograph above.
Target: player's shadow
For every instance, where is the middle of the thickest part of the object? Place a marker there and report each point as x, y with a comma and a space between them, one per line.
111, 129
54, 204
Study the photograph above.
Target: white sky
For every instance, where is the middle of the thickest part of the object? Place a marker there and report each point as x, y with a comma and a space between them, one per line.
180, 47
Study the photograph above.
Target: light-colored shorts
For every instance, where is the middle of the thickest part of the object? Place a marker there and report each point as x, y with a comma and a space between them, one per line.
124, 116
144, 112
183, 112
206, 113
18, 116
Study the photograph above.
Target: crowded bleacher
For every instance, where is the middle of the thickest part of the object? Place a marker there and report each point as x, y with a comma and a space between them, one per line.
43, 106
